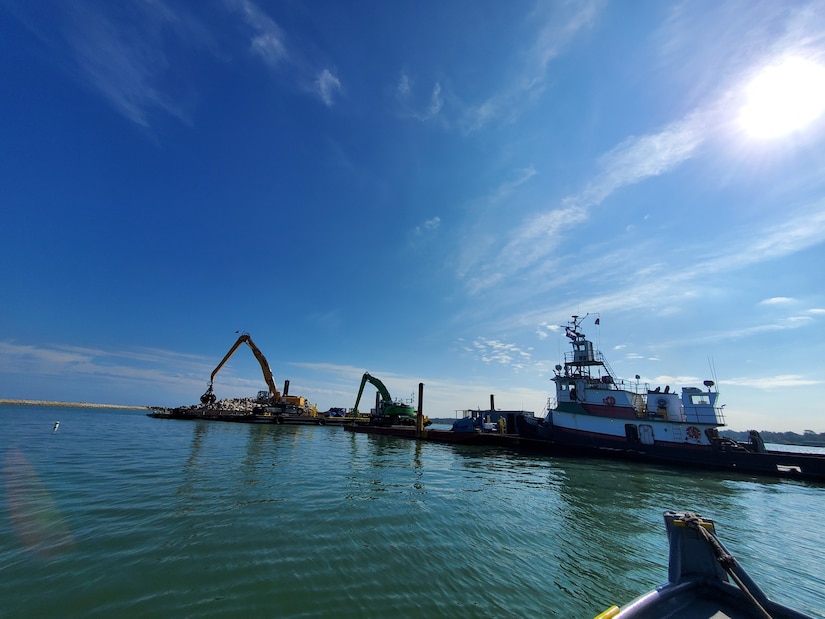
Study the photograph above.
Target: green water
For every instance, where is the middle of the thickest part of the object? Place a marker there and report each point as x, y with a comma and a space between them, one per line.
117, 514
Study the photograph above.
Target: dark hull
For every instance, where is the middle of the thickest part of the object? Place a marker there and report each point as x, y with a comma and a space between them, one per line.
440, 436
724, 455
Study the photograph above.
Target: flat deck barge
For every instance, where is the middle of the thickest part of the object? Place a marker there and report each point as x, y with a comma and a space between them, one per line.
246, 416
439, 436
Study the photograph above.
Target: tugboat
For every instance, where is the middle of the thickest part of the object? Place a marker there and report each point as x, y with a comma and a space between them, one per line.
596, 414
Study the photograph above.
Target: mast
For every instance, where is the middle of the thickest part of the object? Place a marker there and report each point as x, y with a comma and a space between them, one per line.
584, 358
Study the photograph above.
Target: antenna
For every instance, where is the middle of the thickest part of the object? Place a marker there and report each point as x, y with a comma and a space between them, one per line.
713, 372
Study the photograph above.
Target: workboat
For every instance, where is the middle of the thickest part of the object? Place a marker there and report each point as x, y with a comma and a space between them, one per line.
596, 414
704, 580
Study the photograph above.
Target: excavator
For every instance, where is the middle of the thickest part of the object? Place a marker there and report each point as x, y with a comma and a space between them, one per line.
272, 398
388, 412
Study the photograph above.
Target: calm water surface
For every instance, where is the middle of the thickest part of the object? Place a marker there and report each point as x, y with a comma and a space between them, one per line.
117, 514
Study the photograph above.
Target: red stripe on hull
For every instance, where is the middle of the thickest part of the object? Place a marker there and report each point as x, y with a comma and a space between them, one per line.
614, 412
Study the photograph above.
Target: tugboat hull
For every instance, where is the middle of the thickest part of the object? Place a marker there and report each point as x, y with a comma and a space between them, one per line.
721, 454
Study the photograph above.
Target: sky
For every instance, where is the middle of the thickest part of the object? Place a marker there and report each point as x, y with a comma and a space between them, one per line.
426, 191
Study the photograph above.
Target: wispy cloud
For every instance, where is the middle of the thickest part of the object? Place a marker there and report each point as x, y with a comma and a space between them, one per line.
404, 87
327, 86
137, 55
430, 225
268, 40
473, 261
773, 382
140, 366
507, 188
495, 351
270, 43
418, 108
329, 320
627, 289
544, 330
269, 47
435, 101
552, 27
776, 301
632, 161
639, 158
121, 52
560, 24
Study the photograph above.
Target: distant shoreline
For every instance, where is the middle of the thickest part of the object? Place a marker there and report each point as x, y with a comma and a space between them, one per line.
69, 404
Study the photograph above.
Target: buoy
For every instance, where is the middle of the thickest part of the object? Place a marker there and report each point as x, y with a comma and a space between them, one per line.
56, 426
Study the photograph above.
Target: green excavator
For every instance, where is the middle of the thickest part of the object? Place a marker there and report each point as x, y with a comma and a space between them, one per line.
388, 412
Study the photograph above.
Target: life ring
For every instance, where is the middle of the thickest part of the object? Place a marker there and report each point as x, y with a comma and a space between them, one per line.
610, 400
662, 402
693, 432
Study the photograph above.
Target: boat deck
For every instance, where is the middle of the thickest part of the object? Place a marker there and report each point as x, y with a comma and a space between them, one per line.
245, 416
440, 436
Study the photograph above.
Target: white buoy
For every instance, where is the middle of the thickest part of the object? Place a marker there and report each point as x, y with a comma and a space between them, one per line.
56, 426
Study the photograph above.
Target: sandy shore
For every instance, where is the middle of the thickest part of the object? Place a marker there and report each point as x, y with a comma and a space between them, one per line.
68, 404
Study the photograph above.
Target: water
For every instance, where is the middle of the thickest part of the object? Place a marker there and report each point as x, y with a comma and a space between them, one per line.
117, 514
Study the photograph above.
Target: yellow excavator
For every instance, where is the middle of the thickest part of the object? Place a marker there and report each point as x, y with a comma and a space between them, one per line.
273, 397
388, 411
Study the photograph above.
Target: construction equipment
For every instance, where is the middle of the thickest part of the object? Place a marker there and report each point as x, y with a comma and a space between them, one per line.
388, 412
273, 397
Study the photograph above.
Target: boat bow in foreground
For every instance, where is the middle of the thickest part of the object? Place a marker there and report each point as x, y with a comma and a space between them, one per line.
704, 580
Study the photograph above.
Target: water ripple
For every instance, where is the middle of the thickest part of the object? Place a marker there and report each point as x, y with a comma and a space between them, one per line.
120, 515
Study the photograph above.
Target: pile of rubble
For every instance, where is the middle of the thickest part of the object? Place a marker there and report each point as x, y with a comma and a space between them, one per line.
236, 404
243, 405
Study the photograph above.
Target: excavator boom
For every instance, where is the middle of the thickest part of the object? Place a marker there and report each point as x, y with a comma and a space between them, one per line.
389, 406
209, 397
385, 395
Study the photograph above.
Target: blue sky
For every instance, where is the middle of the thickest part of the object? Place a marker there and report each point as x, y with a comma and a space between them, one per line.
424, 191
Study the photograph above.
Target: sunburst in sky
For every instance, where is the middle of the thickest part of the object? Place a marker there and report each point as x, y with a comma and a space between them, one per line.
783, 98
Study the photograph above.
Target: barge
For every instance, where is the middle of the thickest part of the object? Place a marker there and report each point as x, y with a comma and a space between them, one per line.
247, 415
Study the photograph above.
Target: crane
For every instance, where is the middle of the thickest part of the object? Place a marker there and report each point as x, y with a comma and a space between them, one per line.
388, 411
274, 395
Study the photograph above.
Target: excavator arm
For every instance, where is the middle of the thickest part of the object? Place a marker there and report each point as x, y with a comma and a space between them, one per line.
209, 396
390, 412
385, 395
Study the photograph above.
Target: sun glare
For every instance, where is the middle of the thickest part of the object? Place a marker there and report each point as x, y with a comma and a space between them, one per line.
784, 98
